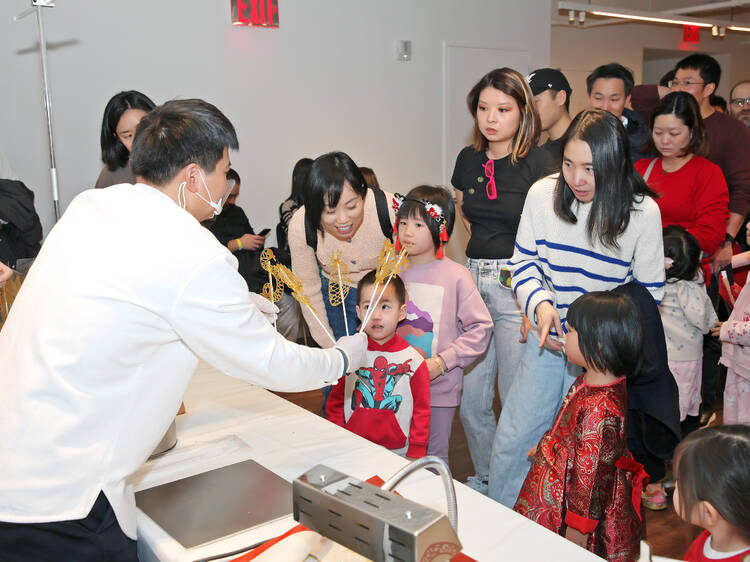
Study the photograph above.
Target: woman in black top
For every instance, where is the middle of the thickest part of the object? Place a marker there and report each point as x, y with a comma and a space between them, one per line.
491, 179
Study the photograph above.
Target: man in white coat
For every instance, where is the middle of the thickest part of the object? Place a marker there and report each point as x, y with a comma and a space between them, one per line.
127, 293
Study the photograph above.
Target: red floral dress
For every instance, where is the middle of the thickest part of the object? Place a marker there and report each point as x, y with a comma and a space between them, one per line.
582, 475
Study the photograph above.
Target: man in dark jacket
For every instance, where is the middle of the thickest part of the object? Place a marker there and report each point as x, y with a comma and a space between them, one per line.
609, 88
20, 228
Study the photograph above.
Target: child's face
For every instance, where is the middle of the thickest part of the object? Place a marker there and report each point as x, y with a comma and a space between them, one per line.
388, 313
416, 237
572, 349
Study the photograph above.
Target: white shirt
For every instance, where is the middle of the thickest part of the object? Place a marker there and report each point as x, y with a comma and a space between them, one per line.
125, 295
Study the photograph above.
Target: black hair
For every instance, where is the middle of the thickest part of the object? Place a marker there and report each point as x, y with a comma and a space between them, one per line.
611, 70
325, 182
179, 133
299, 177
683, 106
713, 465
707, 66
567, 97
369, 279
412, 207
718, 101
233, 175
511, 83
684, 250
610, 331
370, 178
667, 78
114, 153
617, 183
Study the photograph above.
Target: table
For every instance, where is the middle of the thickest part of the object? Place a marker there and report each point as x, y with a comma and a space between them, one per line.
228, 421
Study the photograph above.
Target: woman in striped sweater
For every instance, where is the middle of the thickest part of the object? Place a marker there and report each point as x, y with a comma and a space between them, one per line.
593, 228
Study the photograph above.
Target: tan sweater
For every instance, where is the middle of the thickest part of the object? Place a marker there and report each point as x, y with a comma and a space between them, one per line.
360, 254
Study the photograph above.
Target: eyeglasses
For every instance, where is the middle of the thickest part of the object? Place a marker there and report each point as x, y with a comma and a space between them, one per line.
489, 173
686, 83
740, 102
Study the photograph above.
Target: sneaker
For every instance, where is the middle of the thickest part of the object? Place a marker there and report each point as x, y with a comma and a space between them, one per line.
657, 501
478, 483
709, 421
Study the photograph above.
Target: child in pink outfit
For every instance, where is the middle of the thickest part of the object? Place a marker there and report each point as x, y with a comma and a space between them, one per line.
735, 354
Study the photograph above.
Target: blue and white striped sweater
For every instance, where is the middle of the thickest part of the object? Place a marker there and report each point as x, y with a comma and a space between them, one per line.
555, 261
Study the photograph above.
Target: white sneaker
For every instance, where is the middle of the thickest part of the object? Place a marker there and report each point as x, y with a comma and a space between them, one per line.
478, 484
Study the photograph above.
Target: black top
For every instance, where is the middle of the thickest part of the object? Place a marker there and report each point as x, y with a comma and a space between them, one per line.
494, 222
554, 147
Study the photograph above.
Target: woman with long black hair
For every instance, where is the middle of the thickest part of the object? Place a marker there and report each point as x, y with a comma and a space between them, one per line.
593, 228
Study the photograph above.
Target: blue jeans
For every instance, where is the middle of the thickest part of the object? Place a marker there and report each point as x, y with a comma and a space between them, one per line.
528, 411
501, 361
336, 321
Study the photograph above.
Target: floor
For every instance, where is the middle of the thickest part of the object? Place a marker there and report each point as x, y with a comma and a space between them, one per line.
667, 534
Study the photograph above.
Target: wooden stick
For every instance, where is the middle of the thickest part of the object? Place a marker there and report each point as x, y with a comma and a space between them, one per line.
343, 303
319, 322
371, 309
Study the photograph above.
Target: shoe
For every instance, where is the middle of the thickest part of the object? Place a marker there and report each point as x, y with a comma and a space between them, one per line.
656, 501
478, 484
668, 482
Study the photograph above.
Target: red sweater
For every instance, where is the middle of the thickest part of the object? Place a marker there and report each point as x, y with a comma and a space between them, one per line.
694, 197
729, 146
387, 402
695, 552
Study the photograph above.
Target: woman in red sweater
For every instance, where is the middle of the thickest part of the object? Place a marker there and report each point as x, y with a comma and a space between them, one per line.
692, 190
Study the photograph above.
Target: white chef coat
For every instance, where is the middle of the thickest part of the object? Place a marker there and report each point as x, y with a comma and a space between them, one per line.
128, 291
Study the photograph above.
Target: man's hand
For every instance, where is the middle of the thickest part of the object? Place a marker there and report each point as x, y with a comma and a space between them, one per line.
252, 241
5, 273
548, 318
355, 349
721, 258
269, 310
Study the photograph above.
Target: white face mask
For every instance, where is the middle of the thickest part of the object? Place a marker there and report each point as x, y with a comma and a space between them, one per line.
216, 205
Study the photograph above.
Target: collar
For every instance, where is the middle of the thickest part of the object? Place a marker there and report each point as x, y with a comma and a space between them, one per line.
396, 343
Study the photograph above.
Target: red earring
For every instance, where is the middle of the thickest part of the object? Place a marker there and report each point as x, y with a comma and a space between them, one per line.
397, 246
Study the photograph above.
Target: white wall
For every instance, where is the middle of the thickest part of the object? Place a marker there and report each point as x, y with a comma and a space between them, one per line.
326, 79
578, 51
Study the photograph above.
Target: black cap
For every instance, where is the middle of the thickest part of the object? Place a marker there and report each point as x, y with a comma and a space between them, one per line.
545, 79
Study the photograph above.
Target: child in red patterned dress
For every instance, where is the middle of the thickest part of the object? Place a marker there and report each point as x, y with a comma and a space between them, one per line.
583, 483
712, 483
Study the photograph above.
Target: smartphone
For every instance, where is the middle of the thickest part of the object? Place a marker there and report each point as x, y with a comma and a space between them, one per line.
264, 232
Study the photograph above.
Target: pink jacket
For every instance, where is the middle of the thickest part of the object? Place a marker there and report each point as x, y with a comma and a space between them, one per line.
735, 335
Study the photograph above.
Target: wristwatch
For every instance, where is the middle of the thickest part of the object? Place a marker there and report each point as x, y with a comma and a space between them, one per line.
729, 238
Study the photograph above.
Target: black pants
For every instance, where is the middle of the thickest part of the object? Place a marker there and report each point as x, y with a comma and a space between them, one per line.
95, 538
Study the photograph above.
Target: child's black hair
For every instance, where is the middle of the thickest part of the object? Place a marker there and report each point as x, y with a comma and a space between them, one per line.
369, 279
713, 465
413, 207
610, 331
684, 250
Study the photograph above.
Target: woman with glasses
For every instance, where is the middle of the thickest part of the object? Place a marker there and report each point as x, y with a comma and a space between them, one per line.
491, 179
692, 190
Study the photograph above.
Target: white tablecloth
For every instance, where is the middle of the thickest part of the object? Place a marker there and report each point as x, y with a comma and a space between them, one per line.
228, 421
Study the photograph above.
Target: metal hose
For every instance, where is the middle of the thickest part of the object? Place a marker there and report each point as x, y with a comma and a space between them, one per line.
445, 475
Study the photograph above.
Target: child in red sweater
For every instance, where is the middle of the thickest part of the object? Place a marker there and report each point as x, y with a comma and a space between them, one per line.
387, 402
712, 481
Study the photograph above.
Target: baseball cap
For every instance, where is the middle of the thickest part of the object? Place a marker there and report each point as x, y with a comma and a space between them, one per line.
547, 79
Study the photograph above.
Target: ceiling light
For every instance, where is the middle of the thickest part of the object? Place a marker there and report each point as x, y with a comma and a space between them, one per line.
581, 17
572, 16
650, 18
722, 31
715, 31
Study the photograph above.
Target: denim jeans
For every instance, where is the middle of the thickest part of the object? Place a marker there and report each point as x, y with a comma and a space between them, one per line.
528, 411
336, 321
500, 361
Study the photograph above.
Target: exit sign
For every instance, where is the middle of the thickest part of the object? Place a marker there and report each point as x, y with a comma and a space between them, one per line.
255, 13
691, 34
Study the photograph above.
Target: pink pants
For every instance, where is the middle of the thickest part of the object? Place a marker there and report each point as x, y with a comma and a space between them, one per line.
736, 399
687, 374
441, 423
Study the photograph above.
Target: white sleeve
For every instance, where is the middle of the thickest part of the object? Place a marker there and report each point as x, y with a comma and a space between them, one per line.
216, 319
648, 254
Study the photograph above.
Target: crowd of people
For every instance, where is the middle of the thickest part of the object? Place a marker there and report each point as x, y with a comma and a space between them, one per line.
595, 301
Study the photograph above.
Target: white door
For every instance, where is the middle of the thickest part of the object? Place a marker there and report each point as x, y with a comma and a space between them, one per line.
463, 66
